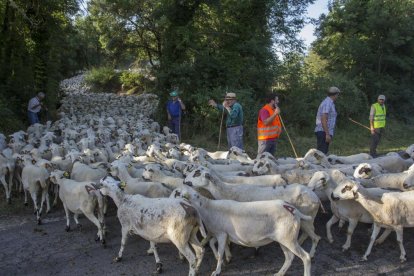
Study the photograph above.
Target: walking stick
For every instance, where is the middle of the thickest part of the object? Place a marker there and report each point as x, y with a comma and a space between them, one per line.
221, 123
359, 123
294, 151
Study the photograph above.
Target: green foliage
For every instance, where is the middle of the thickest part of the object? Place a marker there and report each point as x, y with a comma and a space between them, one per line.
103, 79
371, 42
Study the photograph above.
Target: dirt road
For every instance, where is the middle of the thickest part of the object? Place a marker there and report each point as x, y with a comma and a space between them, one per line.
29, 249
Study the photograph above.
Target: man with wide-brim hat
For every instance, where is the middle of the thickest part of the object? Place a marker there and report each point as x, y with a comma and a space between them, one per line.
175, 108
377, 116
234, 120
326, 120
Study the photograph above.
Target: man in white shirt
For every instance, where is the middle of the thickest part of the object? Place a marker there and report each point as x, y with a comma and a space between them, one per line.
34, 107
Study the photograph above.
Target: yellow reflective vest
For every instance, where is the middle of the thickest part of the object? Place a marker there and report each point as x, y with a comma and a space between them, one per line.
379, 116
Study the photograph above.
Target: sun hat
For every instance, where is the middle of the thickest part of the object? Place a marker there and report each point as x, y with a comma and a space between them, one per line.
381, 97
174, 93
333, 90
230, 96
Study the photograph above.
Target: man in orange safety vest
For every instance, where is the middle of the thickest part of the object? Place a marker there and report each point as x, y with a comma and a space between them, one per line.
269, 126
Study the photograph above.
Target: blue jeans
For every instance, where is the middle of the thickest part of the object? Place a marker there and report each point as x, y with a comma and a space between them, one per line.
266, 146
235, 136
33, 117
321, 142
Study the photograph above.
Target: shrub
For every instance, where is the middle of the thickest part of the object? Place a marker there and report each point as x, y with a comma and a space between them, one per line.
103, 79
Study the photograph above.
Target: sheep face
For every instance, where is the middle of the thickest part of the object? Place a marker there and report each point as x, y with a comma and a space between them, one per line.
345, 190
363, 170
109, 184
319, 181
198, 178
261, 167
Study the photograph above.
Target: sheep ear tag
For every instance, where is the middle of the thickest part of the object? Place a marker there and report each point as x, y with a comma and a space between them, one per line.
122, 185
66, 174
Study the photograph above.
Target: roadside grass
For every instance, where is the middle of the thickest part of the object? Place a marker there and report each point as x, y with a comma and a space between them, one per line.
349, 139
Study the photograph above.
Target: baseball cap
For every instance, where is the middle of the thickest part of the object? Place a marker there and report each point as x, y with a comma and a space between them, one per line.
381, 97
333, 90
174, 93
230, 96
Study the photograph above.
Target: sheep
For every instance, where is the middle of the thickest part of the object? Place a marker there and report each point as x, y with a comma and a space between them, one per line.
365, 171
346, 210
397, 181
351, 159
251, 224
35, 179
300, 196
260, 180
80, 198
137, 186
153, 173
392, 163
158, 220
93, 172
7, 166
393, 211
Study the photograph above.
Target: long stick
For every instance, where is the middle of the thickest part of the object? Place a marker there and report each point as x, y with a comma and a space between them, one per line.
294, 151
359, 123
221, 123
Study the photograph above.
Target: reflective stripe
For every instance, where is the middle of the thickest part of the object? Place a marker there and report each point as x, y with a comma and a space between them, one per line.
266, 132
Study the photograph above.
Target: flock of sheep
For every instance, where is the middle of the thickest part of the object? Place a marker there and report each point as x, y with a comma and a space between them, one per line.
106, 146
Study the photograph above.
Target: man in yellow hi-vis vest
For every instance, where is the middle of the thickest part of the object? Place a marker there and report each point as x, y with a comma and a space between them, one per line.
377, 123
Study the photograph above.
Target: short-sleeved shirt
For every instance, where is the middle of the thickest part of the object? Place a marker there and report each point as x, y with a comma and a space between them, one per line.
263, 114
174, 108
33, 102
235, 116
327, 106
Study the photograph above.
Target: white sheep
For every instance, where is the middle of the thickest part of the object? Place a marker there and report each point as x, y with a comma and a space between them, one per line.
159, 220
80, 198
299, 195
251, 224
393, 211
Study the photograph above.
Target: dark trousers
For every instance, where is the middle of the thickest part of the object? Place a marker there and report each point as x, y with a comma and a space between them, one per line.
375, 139
266, 146
174, 125
321, 142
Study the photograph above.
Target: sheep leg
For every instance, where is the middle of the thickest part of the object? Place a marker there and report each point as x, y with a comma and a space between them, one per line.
124, 239
228, 252
222, 241
47, 202
371, 242
34, 198
288, 260
185, 249
212, 244
6, 187
153, 247
25, 198
329, 224
56, 191
198, 249
67, 217
11, 173
384, 235
351, 227
294, 247
307, 226
94, 220
399, 232
78, 225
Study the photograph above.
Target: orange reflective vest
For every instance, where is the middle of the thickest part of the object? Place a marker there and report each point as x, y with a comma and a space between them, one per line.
271, 131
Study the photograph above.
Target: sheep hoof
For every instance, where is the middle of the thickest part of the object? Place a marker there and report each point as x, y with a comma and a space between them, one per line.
9, 201
67, 228
79, 227
26, 204
39, 221
364, 259
159, 267
97, 238
403, 259
117, 259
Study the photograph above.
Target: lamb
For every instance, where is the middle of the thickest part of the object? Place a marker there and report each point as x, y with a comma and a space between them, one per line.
80, 198
300, 196
158, 220
346, 210
251, 224
393, 211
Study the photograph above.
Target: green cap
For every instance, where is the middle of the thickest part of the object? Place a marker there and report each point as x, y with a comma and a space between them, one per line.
174, 93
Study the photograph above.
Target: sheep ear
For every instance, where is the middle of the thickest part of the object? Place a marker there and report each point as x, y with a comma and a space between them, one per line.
89, 189
33, 161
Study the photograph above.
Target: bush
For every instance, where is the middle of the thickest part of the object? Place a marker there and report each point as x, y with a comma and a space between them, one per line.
103, 79
130, 79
